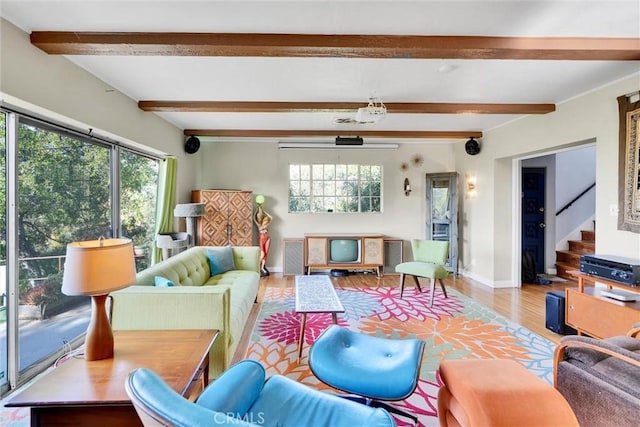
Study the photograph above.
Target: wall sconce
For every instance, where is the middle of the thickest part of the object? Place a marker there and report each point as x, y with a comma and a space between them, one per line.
471, 187
407, 187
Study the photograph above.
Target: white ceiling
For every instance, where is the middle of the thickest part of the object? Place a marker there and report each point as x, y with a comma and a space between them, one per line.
342, 79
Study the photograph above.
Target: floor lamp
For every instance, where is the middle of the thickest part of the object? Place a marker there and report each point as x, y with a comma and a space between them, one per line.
95, 268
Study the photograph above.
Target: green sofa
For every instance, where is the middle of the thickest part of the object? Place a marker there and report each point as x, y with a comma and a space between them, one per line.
197, 301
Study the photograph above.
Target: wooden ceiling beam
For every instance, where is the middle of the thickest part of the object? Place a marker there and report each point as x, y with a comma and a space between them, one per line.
269, 133
297, 107
337, 46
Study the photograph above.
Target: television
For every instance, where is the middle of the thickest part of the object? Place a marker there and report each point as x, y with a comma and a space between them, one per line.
344, 250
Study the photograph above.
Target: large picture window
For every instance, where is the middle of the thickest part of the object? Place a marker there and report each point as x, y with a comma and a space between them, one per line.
63, 196
63, 186
335, 188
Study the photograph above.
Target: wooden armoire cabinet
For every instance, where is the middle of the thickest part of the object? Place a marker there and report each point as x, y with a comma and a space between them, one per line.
228, 218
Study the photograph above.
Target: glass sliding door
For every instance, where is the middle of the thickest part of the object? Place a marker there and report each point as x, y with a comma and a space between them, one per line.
4, 355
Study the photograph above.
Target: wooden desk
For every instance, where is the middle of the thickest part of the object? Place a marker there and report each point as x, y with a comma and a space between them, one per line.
82, 393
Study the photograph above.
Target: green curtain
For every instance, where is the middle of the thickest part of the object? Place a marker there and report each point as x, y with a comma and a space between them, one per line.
165, 202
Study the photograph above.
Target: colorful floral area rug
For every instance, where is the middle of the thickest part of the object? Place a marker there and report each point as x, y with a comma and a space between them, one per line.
14, 417
454, 328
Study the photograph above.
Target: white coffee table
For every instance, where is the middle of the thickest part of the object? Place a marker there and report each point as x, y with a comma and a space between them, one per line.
315, 294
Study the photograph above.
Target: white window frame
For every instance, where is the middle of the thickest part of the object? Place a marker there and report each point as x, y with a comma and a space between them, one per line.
335, 188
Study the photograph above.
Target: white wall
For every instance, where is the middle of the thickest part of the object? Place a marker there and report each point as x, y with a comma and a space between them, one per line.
488, 230
263, 169
576, 171
53, 86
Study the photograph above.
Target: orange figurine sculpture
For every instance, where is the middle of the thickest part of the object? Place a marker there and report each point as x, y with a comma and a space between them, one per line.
262, 220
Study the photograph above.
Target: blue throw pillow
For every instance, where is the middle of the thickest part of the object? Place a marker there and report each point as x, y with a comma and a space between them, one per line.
220, 259
162, 281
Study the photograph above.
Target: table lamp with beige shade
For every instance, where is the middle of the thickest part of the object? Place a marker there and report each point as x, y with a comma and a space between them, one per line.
94, 268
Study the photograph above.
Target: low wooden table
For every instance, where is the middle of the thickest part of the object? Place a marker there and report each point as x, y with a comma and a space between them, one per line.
82, 393
592, 313
315, 294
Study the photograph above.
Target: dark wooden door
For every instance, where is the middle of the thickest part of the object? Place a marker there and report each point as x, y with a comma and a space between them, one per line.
533, 210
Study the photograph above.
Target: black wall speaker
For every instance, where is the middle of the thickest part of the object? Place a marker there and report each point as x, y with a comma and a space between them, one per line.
472, 147
192, 145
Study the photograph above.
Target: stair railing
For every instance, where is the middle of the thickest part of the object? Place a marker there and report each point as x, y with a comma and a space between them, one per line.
575, 199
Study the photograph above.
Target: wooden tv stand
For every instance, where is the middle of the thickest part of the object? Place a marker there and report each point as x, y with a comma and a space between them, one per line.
591, 313
316, 252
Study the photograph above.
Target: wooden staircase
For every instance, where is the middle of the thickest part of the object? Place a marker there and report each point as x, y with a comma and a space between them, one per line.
570, 259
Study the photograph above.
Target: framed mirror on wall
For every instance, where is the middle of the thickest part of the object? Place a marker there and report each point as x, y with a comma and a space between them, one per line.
442, 213
629, 163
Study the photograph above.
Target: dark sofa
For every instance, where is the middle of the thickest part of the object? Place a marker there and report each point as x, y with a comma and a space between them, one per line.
600, 379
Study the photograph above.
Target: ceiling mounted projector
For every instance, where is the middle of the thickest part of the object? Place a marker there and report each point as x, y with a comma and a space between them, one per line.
372, 113
341, 140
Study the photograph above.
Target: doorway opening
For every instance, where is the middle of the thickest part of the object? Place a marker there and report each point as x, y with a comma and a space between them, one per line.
567, 173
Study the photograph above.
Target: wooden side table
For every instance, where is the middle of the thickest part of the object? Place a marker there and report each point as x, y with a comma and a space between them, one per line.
82, 393
591, 313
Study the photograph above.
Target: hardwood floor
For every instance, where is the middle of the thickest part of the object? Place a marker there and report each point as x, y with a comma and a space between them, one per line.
525, 305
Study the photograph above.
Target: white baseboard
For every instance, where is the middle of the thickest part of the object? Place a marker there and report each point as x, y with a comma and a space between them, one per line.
275, 269
504, 284
489, 283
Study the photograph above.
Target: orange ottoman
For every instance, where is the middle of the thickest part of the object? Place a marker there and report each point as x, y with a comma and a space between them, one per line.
498, 392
